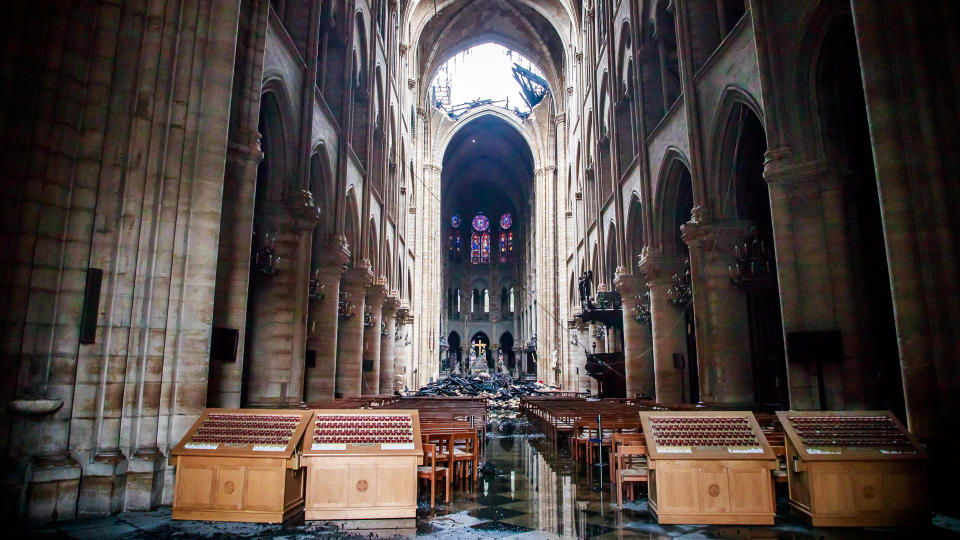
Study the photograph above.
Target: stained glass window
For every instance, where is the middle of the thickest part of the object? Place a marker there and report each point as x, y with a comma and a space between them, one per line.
506, 246
480, 223
455, 242
475, 248
506, 221
455, 221
485, 248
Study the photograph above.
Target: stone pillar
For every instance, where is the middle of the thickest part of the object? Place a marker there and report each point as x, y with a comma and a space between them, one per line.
350, 332
376, 294
667, 324
637, 339
720, 308
322, 322
304, 216
586, 341
387, 347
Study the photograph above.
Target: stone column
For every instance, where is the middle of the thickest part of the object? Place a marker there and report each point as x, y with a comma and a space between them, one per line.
720, 308
637, 339
586, 342
322, 322
376, 294
350, 332
304, 216
387, 360
667, 324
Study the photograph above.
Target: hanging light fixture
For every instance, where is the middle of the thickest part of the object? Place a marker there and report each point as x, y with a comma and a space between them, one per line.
317, 289
753, 261
641, 311
345, 308
265, 259
681, 292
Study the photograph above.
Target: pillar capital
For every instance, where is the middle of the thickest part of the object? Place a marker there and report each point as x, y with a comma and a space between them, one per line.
628, 285
716, 237
302, 213
659, 269
335, 252
391, 304
782, 168
376, 293
246, 144
358, 276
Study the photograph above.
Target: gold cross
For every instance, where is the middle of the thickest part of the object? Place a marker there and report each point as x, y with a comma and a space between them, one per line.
480, 347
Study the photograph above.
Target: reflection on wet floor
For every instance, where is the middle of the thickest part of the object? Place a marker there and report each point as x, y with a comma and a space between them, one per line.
526, 490
531, 490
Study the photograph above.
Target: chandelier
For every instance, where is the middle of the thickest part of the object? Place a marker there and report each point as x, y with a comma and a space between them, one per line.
753, 261
367, 319
265, 259
681, 292
317, 289
345, 308
641, 311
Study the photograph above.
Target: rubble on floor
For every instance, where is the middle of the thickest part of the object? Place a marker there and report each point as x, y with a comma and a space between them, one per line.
501, 391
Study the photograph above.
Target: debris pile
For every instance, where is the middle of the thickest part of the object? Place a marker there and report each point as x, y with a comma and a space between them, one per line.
501, 391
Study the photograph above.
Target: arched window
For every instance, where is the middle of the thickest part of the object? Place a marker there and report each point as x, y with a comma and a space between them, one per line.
511, 299
485, 248
475, 248
486, 301
506, 246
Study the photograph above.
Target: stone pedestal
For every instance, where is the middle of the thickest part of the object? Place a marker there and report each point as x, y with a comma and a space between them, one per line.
667, 324
723, 325
144, 489
53, 487
387, 359
103, 485
637, 339
350, 333
371, 338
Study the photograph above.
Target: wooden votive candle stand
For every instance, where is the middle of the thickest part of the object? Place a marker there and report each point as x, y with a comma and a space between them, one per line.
855, 469
240, 465
362, 464
709, 467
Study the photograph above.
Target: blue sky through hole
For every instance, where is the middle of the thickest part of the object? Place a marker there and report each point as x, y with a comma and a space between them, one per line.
481, 72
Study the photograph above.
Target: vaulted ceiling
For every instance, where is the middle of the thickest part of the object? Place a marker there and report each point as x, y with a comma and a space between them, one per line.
487, 166
533, 28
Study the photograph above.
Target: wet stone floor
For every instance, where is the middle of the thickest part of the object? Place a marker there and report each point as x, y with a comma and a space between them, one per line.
526, 490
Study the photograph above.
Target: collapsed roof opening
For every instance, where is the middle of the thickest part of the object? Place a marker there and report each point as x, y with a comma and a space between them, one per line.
488, 74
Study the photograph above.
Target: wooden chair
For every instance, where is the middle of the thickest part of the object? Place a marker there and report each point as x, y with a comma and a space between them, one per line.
623, 439
631, 468
431, 472
466, 452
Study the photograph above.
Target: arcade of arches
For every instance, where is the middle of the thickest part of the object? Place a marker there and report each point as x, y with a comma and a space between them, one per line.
255, 203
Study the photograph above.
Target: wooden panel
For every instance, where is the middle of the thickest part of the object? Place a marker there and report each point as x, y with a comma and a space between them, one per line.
831, 492
749, 489
229, 492
713, 489
395, 484
195, 485
362, 484
677, 490
264, 489
326, 485
867, 487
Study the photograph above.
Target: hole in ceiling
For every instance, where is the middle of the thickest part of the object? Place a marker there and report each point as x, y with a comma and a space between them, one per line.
488, 74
